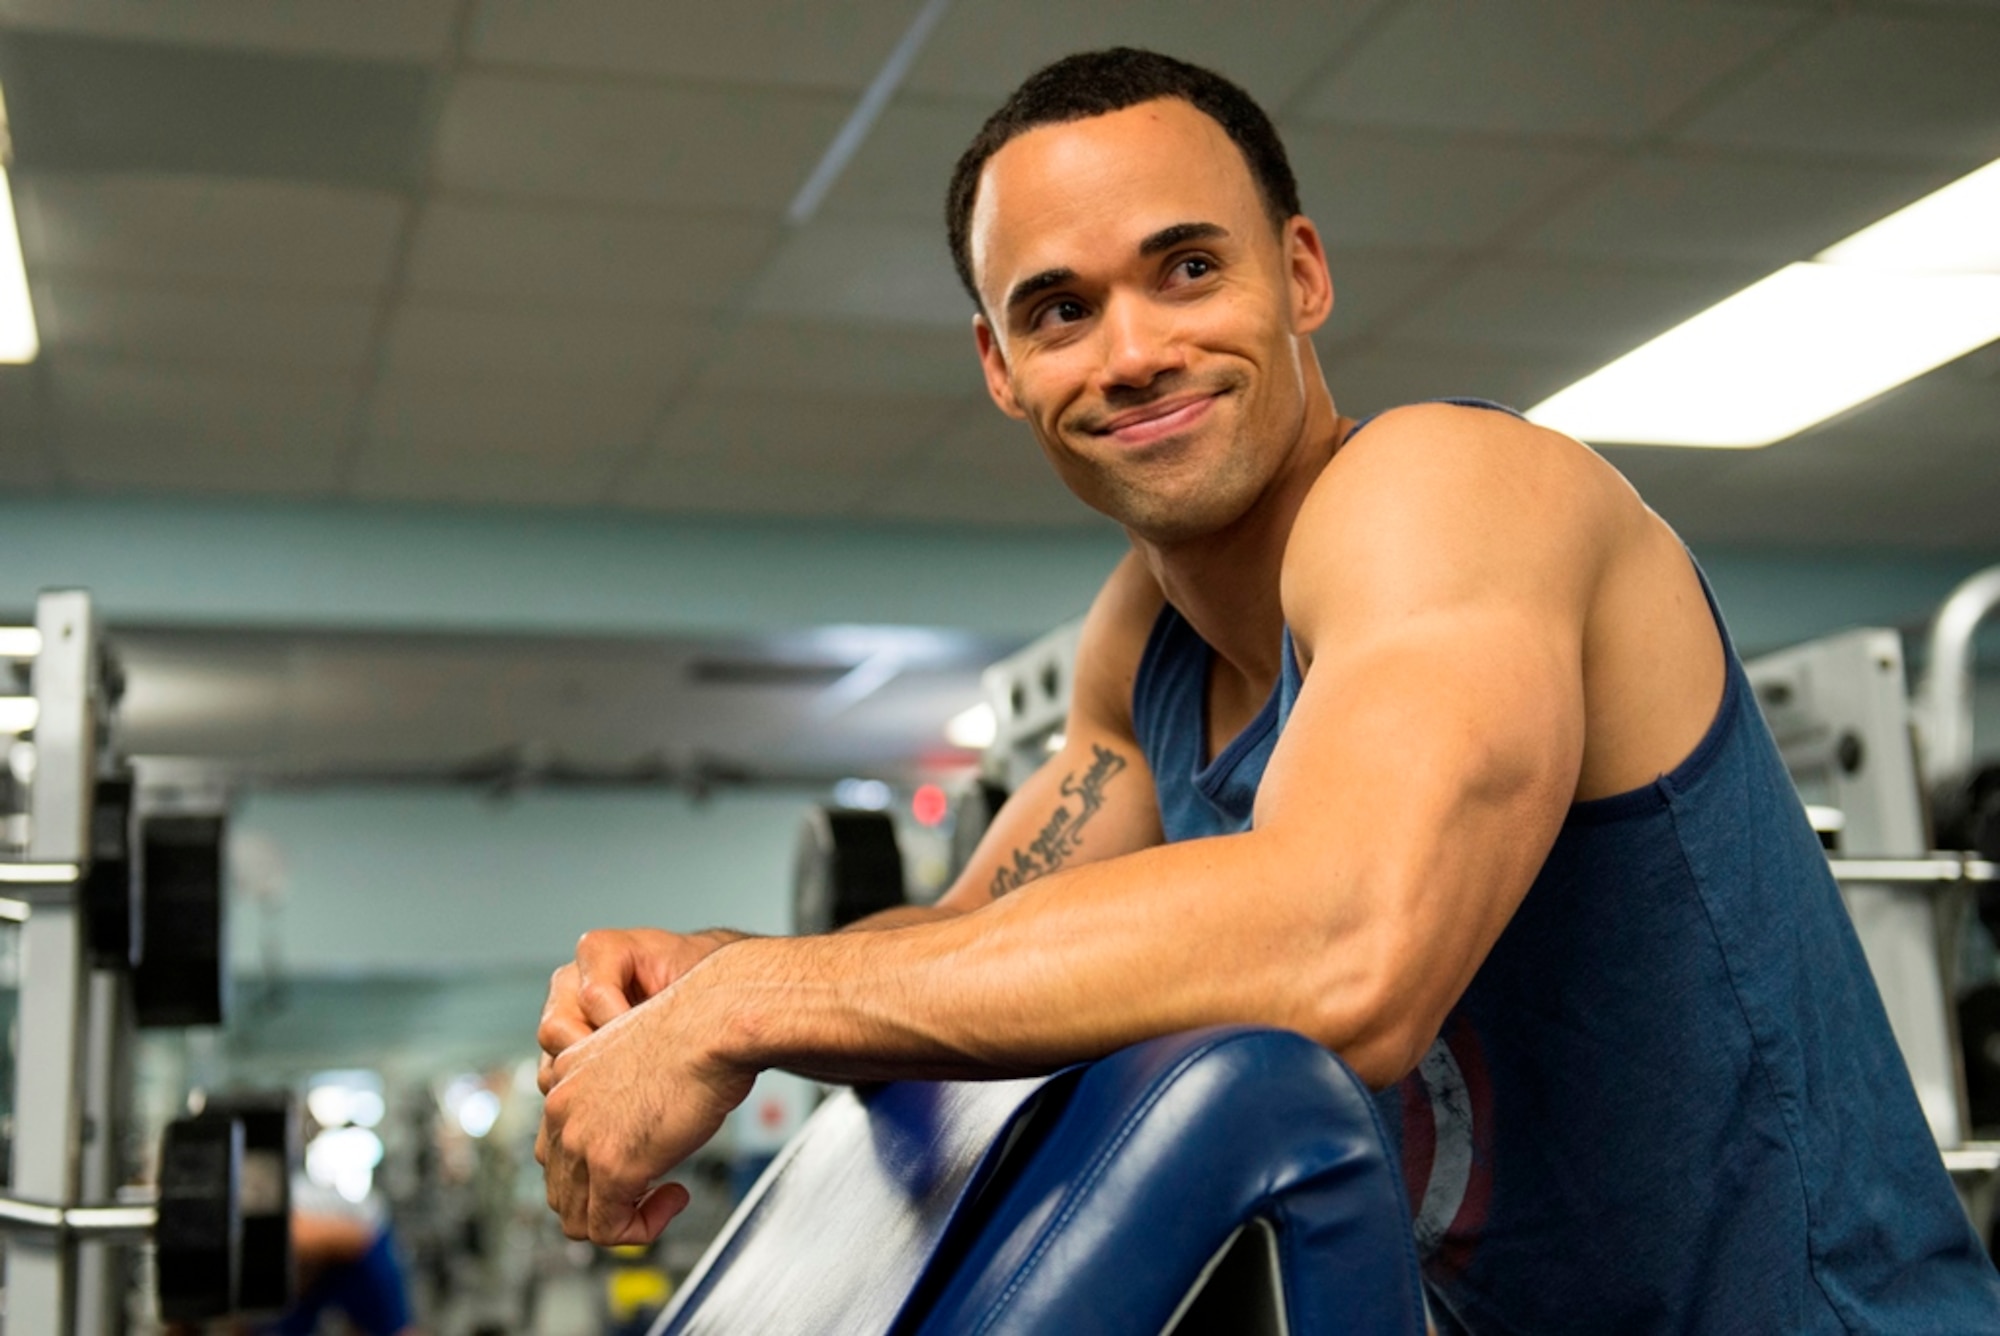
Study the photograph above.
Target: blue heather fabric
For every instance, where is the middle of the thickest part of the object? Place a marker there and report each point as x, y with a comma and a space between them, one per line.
1670, 1100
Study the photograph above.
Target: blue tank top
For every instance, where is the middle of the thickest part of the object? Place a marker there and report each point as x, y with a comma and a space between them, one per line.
1669, 1101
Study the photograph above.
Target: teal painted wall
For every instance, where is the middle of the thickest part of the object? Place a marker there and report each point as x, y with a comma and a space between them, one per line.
421, 882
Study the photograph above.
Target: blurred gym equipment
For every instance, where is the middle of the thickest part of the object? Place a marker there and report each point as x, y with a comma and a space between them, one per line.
848, 867
1889, 780
121, 926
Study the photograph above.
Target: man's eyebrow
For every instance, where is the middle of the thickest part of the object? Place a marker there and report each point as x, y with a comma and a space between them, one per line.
1041, 282
1180, 234
1165, 239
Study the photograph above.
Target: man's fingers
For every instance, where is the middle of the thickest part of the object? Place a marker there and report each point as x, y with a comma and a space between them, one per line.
562, 1021
659, 1206
602, 1003
545, 1073
614, 1216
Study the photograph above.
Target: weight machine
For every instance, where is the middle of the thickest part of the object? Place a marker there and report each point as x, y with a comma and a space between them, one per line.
120, 916
1888, 779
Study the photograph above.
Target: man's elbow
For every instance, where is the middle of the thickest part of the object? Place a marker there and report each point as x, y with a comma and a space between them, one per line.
1376, 1027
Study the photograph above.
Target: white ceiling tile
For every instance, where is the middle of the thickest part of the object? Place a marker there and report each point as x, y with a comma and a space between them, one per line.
1391, 375
20, 401
128, 427
672, 261
754, 433
1560, 66
1923, 86
802, 42
903, 167
1567, 307
984, 48
467, 416
935, 494
25, 450
209, 229
815, 357
1402, 189
1372, 285
393, 471
798, 490
196, 326
680, 148
844, 269
1687, 207
986, 469
375, 29
432, 338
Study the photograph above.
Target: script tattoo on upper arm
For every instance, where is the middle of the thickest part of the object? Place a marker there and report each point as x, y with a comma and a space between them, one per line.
1083, 798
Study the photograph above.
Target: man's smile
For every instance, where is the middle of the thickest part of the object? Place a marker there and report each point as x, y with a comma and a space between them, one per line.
1157, 420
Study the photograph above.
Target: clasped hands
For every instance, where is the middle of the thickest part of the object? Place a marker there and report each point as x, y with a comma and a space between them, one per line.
631, 1084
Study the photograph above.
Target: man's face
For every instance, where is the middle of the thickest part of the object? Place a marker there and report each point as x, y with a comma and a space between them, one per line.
1144, 316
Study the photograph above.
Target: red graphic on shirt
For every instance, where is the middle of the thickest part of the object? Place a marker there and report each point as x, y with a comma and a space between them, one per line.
1447, 1106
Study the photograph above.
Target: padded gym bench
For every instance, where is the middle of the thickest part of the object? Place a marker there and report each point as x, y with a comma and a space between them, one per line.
1224, 1180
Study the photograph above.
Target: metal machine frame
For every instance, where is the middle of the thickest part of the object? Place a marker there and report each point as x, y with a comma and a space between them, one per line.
60, 1272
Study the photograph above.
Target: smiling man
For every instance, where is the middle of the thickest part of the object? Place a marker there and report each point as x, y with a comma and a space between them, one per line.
1420, 736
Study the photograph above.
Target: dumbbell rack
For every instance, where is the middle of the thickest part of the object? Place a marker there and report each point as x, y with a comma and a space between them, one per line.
58, 1265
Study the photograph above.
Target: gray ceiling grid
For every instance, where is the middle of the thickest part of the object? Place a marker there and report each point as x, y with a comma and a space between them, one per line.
517, 253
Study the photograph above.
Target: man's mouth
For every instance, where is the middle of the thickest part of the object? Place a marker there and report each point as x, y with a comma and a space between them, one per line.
1156, 421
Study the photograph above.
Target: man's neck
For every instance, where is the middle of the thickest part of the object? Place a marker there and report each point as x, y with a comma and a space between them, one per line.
1225, 584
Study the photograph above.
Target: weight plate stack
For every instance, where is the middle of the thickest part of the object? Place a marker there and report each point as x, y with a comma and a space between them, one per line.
180, 976
849, 866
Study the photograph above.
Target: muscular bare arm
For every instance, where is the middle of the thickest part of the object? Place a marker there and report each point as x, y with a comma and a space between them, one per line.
1419, 784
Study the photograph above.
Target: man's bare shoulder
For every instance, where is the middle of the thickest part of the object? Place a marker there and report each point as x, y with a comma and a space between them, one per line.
1435, 499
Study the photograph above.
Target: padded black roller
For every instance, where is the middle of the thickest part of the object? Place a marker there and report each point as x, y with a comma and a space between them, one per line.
849, 866
180, 977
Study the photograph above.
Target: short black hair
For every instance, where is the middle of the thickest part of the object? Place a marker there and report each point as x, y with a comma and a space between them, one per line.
1096, 83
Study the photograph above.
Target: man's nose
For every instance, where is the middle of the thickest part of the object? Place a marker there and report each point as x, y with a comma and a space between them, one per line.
1139, 344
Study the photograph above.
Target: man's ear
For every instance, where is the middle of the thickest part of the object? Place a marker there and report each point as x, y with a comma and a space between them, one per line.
994, 363
1311, 282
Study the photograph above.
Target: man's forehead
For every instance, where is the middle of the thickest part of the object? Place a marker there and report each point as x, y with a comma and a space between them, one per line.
1119, 175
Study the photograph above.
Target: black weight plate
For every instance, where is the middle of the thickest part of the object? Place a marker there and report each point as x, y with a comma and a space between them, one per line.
180, 976
849, 866
199, 1239
110, 889
1979, 1039
267, 1277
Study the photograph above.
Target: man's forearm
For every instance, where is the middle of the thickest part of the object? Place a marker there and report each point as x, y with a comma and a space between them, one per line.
1068, 969
902, 916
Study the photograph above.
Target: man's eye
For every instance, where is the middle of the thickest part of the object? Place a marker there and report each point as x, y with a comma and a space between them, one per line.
1064, 312
1195, 266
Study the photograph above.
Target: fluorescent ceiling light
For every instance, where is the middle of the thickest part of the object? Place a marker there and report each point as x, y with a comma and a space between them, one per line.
18, 714
1953, 230
1897, 299
18, 340
1805, 343
38, 874
973, 729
